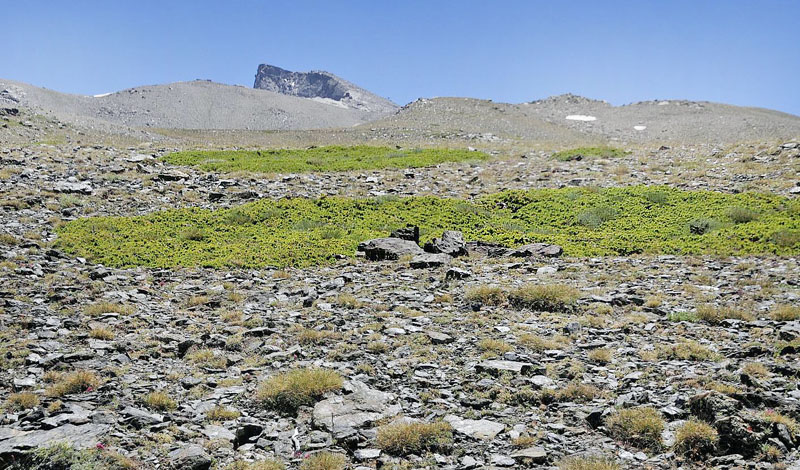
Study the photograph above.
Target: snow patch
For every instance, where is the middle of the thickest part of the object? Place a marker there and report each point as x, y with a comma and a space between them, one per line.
101, 95
580, 117
640, 128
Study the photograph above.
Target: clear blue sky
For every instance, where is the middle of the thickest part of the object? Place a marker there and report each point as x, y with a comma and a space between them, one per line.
733, 51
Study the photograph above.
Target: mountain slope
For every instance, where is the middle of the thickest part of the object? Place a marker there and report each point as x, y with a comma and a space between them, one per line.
323, 86
185, 105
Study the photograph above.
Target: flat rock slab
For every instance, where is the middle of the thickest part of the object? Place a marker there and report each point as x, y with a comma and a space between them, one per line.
475, 428
341, 415
534, 454
190, 457
80, 437
497, 366
537, 249
430, 260
380, 249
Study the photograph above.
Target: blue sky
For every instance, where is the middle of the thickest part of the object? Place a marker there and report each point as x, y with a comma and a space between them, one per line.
733, 51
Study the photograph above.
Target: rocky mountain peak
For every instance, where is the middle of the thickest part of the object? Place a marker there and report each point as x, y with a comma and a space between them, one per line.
320, 85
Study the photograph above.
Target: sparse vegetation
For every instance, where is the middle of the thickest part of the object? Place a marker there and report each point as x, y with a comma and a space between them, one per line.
221, 413
279, 227
100, 308
547, 298
324, 461
695, 439
714, 314
414, 437
587, 463
259, 465
581, 153
79, 381
640, 427
290, 390
487, 295
62, 456
785, 312
22, 401
159, 401
315, 159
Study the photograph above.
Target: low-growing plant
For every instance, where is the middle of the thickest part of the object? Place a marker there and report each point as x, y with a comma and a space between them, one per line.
159, 401
221, 413
538, 343
688, 350
331, 158
22, 401
63, 456
639, 427
487, 295
547, 298
324, 461
600, 355
290, 390
101, 332
596, 216
741, 215
154, 240
588, 463
495, 346
580, 153
78, 381
713, 314
258, 465
206, 358
695, 439
785, 312
100, 308
414, 437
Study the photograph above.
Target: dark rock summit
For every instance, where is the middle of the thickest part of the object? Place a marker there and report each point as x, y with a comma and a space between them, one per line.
320, 85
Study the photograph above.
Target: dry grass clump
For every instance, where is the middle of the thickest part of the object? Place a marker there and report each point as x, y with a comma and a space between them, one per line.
221, 413
640, 427
756, 369
495, 346
197, 300
324, 461
312, 336
587, 463
785, 312
22, 401
487, 295
714, 315
600, 355
538, 343
348, 301
207, 358
413, 438
159, 401
774, 417
546, 298
377, 347
688, 350
101, 332
290, 390
260, 465
99, 308
574, 392
695, 439
74, 382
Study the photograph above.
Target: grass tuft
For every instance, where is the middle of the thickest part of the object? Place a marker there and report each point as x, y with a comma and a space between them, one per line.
640, 427
587, 463
545, 298
78, 381
581, 153
291, 390
324, 461
695, 439
415, 437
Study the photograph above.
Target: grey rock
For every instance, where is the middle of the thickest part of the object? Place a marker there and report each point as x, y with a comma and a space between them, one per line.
80, 187
381, 249
497, 366
537, 249
533, 454
80, 437
483, 429
363, 405
451, 243
190, 457
430, 260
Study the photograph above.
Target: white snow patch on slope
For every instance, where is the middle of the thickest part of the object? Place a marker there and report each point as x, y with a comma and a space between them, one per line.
101, 95
580, 117
640, 128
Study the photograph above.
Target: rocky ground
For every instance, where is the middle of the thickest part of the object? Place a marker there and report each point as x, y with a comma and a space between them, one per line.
519, 386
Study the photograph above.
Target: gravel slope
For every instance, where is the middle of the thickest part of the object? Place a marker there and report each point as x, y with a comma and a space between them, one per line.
184, 105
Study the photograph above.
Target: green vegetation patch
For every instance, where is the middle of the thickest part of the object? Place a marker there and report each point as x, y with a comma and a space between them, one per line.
588, 152
315, 159
304, 232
